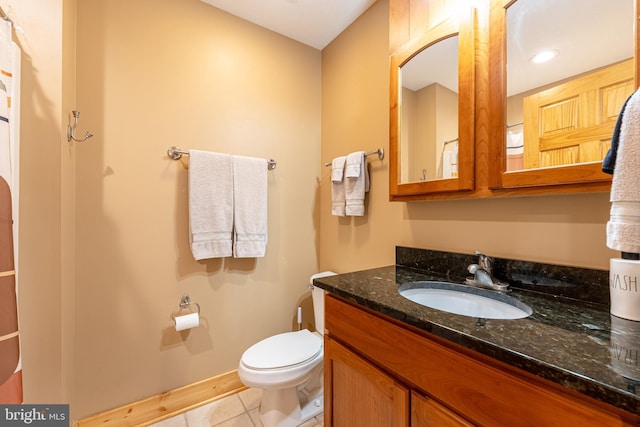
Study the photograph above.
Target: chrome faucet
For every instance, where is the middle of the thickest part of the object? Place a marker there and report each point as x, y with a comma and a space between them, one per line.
483, 276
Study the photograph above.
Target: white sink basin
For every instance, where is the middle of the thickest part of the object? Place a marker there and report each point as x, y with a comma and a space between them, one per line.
465, 300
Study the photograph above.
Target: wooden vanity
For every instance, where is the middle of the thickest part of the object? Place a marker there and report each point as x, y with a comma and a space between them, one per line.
390, 361
382, 372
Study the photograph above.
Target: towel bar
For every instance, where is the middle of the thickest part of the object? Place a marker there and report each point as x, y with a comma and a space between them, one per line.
175, 153
379, 152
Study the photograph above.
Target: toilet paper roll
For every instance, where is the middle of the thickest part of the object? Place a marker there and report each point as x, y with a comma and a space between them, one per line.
624, 288
188, 321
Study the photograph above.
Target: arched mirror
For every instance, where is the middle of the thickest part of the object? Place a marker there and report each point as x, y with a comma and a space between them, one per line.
431, 112
560, 73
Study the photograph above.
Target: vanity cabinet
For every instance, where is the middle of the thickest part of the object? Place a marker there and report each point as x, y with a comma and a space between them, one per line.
350, 376
382, 400
426, 412
381, 372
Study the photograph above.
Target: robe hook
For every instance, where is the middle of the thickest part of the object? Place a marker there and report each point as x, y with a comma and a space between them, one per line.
71, 129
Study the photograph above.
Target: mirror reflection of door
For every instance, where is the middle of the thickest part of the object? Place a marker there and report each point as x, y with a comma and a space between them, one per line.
563, 110
429, 113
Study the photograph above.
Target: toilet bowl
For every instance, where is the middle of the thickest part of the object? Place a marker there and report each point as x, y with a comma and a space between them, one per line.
288, 368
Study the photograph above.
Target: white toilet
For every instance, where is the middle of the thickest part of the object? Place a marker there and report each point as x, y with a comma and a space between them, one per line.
288, 368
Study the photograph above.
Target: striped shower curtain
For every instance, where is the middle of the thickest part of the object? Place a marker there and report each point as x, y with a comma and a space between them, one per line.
10, 365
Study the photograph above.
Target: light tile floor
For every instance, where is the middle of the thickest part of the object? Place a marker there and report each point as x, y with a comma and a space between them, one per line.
238, 410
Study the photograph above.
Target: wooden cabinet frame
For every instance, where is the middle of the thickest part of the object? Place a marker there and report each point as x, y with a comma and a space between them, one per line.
408, 19
465, 30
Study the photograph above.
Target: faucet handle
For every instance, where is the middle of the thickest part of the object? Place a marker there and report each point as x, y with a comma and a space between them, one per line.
484, 261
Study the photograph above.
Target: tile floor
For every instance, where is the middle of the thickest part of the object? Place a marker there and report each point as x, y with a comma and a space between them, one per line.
238, 410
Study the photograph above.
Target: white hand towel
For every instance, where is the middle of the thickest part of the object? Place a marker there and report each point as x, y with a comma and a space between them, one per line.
250, 207
623, 228
210, 204
354, 164
356, 187
337, 186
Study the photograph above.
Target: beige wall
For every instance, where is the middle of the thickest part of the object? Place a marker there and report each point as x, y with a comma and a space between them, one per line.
355, 81
157, 73
355, 116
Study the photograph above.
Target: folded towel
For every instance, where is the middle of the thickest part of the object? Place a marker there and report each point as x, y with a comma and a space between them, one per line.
250, 207
623, 228
356, 187
354, 164
337, 186
210, 204
609, 162
337, 168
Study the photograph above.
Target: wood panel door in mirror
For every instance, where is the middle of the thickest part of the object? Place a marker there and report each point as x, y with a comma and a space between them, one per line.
551, 123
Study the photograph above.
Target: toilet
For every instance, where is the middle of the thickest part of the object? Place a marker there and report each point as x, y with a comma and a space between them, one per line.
288, 368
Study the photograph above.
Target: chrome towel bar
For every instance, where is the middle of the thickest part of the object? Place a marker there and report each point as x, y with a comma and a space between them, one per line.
379, 152
175, 153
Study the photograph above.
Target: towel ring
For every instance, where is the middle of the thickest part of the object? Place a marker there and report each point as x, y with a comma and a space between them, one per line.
185, 302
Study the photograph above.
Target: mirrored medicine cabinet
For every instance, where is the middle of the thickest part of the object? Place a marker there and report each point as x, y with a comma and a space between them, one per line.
521, 127
431, 110
554, 119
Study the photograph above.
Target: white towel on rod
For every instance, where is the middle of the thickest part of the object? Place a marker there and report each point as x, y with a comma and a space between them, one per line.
210, 204
338, 186
623, 228
354, 164
356, 187
250, 207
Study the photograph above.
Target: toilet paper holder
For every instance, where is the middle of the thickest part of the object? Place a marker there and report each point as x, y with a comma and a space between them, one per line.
185, 302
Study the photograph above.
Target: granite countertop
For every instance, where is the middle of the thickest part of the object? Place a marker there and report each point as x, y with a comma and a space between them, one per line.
573, 343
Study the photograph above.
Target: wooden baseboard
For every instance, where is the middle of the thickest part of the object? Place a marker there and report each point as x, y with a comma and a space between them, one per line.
168, 404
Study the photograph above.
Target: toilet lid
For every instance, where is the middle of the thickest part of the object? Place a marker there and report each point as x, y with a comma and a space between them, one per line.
279, 351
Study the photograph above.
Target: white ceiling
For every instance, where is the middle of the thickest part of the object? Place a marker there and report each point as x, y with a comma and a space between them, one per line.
312, 22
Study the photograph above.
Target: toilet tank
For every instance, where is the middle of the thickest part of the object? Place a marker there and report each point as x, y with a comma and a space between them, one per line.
317, 295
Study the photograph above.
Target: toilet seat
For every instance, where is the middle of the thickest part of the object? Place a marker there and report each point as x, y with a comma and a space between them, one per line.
283, 350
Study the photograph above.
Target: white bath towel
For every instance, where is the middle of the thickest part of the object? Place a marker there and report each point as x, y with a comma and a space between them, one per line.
250, 207
210, 204
623, 228
356, 187
338, 186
